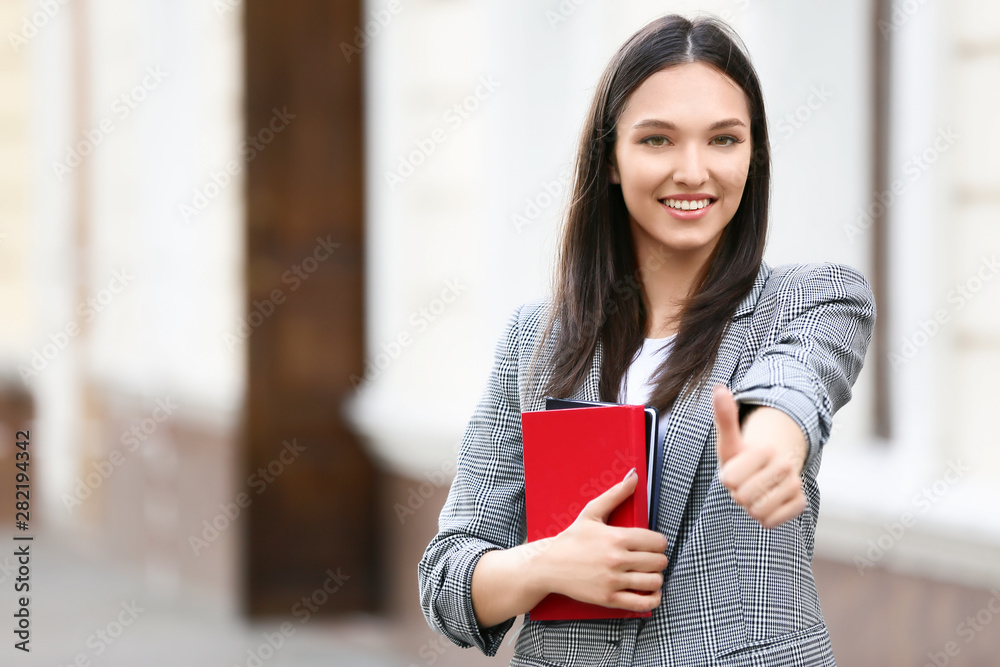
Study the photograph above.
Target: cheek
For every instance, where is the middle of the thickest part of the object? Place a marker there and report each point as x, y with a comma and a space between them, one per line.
734, 179
639, 175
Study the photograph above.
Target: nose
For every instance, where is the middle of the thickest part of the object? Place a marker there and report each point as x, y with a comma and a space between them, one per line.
691, 168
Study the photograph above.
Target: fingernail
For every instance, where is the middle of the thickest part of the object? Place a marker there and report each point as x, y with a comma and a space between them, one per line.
628, 474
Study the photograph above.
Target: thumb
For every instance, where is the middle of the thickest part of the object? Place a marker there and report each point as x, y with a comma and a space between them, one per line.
600, 507
727, 423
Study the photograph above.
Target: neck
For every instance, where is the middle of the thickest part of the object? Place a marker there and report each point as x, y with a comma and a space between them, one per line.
669, 280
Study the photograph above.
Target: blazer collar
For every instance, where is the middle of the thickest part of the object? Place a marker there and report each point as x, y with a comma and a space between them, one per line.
750, 301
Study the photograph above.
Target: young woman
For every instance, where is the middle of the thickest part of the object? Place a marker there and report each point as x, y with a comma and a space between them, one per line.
662, 298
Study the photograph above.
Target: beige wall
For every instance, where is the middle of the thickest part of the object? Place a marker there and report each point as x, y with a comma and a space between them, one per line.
971, 228
16, 326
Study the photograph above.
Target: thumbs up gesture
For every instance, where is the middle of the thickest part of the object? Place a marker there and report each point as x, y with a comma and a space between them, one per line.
761, 463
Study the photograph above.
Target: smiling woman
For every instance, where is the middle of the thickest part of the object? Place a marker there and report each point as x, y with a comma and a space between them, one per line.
664, 238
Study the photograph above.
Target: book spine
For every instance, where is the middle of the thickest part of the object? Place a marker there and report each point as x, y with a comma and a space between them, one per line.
638, 439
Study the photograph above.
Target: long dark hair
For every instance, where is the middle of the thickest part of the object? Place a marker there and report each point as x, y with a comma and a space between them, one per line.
596, 295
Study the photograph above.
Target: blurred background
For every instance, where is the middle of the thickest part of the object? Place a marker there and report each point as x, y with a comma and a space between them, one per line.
255, 257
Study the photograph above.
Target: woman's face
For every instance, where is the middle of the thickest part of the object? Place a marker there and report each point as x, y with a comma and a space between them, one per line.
682, 154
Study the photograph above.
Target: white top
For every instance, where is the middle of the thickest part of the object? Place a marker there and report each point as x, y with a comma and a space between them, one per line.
635, 388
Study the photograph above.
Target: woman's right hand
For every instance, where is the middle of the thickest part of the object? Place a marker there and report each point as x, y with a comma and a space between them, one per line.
607, 565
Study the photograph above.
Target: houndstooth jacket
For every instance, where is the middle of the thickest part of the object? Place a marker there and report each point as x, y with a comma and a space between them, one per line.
734, 593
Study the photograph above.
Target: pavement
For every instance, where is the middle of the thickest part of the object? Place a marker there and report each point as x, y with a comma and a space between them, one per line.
87, 611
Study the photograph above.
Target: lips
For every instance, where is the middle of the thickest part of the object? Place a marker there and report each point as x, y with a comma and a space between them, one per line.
688, 209
686, 204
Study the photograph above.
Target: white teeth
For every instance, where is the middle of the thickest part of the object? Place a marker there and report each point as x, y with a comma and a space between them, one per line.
688, 205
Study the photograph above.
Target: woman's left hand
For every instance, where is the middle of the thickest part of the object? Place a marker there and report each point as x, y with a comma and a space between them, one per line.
761, 463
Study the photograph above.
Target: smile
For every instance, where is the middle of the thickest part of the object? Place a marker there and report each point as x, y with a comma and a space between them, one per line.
686, 204
687, 209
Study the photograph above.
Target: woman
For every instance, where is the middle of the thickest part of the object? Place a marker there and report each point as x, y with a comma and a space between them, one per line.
662, 298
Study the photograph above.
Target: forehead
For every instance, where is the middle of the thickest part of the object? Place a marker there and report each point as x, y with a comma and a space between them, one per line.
690, 93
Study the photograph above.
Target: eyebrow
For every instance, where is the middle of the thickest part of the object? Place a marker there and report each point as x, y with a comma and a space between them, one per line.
667, 125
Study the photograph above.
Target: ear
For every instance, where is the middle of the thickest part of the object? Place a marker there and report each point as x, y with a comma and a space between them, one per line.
613, 173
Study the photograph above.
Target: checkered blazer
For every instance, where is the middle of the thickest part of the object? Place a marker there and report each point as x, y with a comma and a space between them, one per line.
734, 593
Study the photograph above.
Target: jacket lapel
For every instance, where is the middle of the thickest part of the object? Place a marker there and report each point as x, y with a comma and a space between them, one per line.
692, 417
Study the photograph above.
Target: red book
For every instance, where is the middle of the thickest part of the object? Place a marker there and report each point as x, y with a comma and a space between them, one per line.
570, 457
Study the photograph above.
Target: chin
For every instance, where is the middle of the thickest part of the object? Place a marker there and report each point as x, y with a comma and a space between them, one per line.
688, 245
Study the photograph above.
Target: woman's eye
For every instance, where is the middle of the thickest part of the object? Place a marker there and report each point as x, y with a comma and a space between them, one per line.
728, 140
655, 141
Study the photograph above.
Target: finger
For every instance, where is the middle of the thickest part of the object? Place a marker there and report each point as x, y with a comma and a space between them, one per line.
750, 485
639, 539
727, 423
645, 582
622, 559
642, 561
600, 507
786, 512
744, 466
769, 502
634, 601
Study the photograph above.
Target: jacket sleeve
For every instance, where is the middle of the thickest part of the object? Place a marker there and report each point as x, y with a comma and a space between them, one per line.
485, 506
820, 322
